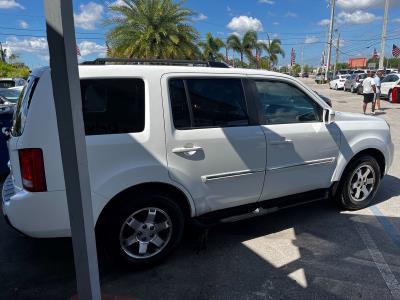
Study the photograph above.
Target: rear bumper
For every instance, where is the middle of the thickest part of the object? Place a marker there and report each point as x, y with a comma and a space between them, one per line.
41, 215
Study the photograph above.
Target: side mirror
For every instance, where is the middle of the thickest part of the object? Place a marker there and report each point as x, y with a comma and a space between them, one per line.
329, 116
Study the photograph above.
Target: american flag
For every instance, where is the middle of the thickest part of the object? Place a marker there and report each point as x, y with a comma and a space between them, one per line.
375, 54
78, 51
292, 57
396, 51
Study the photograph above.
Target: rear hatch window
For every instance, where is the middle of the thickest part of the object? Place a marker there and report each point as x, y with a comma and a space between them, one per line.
23, 104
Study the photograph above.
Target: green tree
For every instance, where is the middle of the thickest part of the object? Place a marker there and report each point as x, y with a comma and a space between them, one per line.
211, 47
307, 69
151, 29
296, 69
244, 46
17, 70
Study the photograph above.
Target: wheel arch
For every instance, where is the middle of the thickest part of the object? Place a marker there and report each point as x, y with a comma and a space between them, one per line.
182, 198
374, 152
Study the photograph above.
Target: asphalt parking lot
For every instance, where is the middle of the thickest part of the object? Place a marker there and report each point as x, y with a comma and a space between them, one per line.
308, 252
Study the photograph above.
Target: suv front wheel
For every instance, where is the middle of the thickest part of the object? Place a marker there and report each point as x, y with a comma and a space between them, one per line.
360, 183
143, 230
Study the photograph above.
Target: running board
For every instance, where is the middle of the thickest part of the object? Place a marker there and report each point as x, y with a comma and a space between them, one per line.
259, 209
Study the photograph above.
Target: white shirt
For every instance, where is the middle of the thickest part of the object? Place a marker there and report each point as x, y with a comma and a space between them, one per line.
367, 85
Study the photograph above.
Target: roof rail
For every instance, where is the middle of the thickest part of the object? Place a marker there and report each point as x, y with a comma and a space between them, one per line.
166, 62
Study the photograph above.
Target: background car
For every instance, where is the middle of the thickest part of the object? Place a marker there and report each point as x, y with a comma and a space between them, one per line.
11, 82
353, 81
320, 77
304, 75
338, 82
387, 85
11, 95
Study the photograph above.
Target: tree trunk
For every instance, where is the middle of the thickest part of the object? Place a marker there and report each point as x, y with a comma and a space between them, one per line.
241, 58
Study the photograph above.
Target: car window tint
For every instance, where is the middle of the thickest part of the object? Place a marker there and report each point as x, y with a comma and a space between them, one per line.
283, 103
112, 106
179, 104
212, 102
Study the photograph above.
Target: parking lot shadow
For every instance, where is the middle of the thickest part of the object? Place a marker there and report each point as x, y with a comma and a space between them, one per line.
308, 252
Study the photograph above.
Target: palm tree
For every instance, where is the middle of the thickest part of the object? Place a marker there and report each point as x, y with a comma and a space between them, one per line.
274, 49
245, 45
211, 47
260, 47
151, 29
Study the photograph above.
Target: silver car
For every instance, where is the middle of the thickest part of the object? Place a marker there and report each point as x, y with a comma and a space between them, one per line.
351, 84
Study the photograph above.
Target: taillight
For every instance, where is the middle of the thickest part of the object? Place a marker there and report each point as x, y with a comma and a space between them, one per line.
32, 169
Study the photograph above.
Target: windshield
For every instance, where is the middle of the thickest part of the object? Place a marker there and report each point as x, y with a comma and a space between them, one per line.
11, 95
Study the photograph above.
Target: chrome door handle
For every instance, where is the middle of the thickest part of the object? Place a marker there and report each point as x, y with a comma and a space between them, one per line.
189, 151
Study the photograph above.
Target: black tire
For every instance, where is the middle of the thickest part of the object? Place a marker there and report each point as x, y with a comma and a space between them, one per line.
344, 196
111, 231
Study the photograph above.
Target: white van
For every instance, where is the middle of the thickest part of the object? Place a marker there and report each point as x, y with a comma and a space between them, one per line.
171, 144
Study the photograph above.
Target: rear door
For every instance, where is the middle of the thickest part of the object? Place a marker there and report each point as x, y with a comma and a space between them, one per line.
215, 149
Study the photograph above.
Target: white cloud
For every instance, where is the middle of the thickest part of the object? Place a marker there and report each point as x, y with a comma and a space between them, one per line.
397, 20
324, 22
266, 1
39, 47
23, 24
311, 40
88, 47
89, 15
275, 23
30, 45
357, 4
10, 4
290, 14
117, 3
244, 23
200, 17
357, 17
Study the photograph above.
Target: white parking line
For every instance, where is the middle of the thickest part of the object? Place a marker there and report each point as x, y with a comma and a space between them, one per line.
378, 259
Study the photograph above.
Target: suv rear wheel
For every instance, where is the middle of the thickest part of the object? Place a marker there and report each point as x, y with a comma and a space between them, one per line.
359, 184
143, 231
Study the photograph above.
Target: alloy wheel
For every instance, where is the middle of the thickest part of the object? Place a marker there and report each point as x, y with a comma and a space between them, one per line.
145, 233
362, 183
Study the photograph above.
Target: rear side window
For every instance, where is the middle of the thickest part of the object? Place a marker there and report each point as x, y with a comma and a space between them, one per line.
209, 102
23, 104
113, 106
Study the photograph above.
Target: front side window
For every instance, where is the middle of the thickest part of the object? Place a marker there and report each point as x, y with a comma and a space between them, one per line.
283, 103
210, 102
112, 106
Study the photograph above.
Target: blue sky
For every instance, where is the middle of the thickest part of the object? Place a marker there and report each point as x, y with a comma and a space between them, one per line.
298, 23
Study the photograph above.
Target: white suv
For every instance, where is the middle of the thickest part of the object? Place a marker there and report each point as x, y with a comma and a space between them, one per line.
171, 144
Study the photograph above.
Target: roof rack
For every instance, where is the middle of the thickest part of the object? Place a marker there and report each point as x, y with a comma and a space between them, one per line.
165, 62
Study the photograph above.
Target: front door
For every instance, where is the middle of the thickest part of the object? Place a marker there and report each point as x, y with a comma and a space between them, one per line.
301, 148
213, 148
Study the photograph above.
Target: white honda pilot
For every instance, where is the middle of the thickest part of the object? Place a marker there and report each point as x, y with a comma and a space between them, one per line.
168, 145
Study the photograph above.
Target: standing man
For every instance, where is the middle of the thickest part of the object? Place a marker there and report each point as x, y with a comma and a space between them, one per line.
369, 90
377, 100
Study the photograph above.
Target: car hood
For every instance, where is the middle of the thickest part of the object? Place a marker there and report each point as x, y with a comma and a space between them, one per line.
346, 116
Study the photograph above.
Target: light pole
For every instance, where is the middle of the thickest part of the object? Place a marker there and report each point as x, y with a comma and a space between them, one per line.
68, 107
383, 38
330, 39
